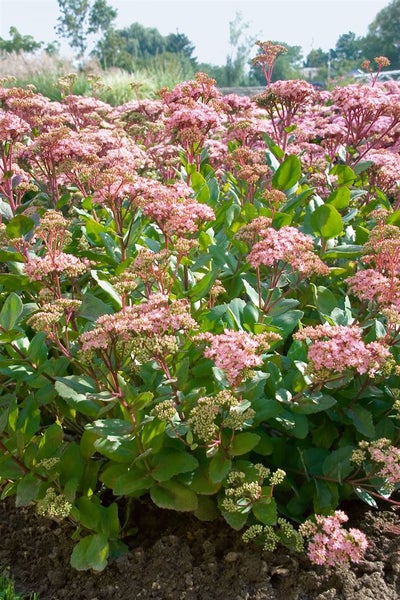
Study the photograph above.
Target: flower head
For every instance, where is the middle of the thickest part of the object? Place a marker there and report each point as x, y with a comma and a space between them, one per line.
337, 348
237, 352
330, 543
288, 245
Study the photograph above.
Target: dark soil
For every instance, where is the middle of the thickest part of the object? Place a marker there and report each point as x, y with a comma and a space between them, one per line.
176, 557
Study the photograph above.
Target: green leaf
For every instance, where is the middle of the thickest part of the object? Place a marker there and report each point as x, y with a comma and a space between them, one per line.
50, 442
243, 443
117, 449
19, 226
265, 409
141, 400
174, 496
287, 174
91, 553
236, 520
86, 443
345, 175
198, 183
287, 321
271, 144
326, 497
152, 434
131, 484
10, 336
126, 478
343, 251
325, 300
9, 256
89, 512
109, 521
201, 483
202, 288
92, 307
107, 288
362, 420
110, 427
13, 282
207, 509
340, 198
365, 497
295, 424
94, 229
363, 166
326, 221
71, 465
37, 350
9, 468
27, 489
170, 461
77, 391
265, 510
394, 218
338, 464
310, 404
11, 311
220, 465
312, 460
265, 445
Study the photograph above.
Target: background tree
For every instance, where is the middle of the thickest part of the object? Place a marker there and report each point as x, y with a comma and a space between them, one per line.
241, 43
349, 47
81, 18
19, 43
317, 59
130, 47
383, 38
137, 47
179, 43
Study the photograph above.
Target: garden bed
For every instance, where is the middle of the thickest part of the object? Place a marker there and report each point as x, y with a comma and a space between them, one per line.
176, 557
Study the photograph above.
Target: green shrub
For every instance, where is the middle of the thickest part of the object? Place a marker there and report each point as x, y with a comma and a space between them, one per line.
216, 330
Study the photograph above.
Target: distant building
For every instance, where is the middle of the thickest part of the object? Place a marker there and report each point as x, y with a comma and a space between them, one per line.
310, 73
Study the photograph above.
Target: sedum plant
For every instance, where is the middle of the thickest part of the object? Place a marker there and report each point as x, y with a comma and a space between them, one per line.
199, 306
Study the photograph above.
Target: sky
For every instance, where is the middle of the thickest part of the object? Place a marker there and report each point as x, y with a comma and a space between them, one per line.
310, 24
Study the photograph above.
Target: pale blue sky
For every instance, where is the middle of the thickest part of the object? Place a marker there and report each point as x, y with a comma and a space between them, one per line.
306, 23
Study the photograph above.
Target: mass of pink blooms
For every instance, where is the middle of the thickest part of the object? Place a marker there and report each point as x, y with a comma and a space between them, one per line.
235, 352
155, 317
337, 348
99, 149
287, 245
332, 545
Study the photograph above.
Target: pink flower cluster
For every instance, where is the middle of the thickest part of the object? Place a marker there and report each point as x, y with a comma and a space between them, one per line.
12, 127
38, 268
382, 283
385, 172
201, 89
331, 545
369, 284
387, 457
235, 352
337, 348
156, 317
288, 245
172, 207
199, 119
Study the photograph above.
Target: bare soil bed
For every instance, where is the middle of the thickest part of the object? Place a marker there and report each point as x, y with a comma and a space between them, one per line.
176, 557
